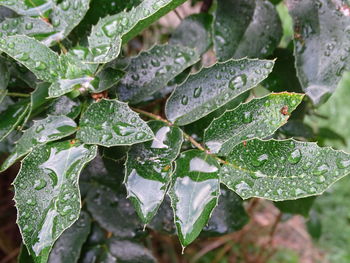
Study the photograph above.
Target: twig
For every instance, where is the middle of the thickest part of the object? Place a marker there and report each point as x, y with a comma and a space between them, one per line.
10, 256
17, 94
178, 15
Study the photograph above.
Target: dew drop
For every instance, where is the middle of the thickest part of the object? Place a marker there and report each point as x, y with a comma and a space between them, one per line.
23, 56
259, 160
184, 100
39, 65
295, 156
197, 92
39, 184
320, 179
268, 65
40, 128
341, 164
140, 135
155, 62
65, 5
123, 129
29, 26
247, 117
320, 170
31, 202
238, 82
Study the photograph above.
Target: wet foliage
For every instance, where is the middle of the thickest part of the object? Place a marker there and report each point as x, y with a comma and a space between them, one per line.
117, 142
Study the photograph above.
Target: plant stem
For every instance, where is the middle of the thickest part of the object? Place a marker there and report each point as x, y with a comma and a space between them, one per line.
16, 94
187, 136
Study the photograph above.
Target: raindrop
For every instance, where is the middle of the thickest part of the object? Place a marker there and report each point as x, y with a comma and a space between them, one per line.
247, 117
295, 156
40, 128
320, 170
56, 22
259, 160
155, 62
39, 65
320, 179
140, 135
268, 65
31, 202
197, 92
66, 210
184, 100
29, 26
110, 29
123, 129
65, 5
341, 164
238, 82
135, 77
22, 56
39, 184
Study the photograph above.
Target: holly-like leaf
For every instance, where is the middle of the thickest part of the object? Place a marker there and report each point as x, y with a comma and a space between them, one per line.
149, 167
282, 170
151, 70
111, 123
257, 118
38, 58
113, 211
62, 17
194, 32
12, 117
213, 87
71, 241
50, 129
65, 106
321, 45
110, 32
47, 194
194, 193
243, 28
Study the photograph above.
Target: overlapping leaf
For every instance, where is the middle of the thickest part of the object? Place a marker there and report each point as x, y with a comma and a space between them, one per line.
50, 129
48, 21
71, 241
194, 193
111, 123
282, 170
246, 28
47, 194
110, 32
258, 118
149, 167
153, 69
65, 106
321, 44
12, 117
194, 32
38, 58
213, 87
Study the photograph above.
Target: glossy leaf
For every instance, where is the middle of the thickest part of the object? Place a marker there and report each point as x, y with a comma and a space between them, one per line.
282, 170
12, 117
107, 79
194, 193
112, 123
246, 28
4, 76
148, 169
47, 194
228, 216
65, 106
194, 32
321, 41
43, 131
61, 18
113, 211
67, 248
110, 32
213, 87
258, 118
39, 59
150, 71
300, 206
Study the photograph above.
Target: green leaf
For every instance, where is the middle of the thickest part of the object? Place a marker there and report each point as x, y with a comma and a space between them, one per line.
229, 216
113, 211
300, 206
111, 123
194, 193
258, 118
243, 28
320, 45
47, 194
148, 169
39, 59
151, 70
68, 247
65, 106
107, 79
62, 18
110, 32
213, 87
12, 117
194, 32
50, 129
4, 76
282, 170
